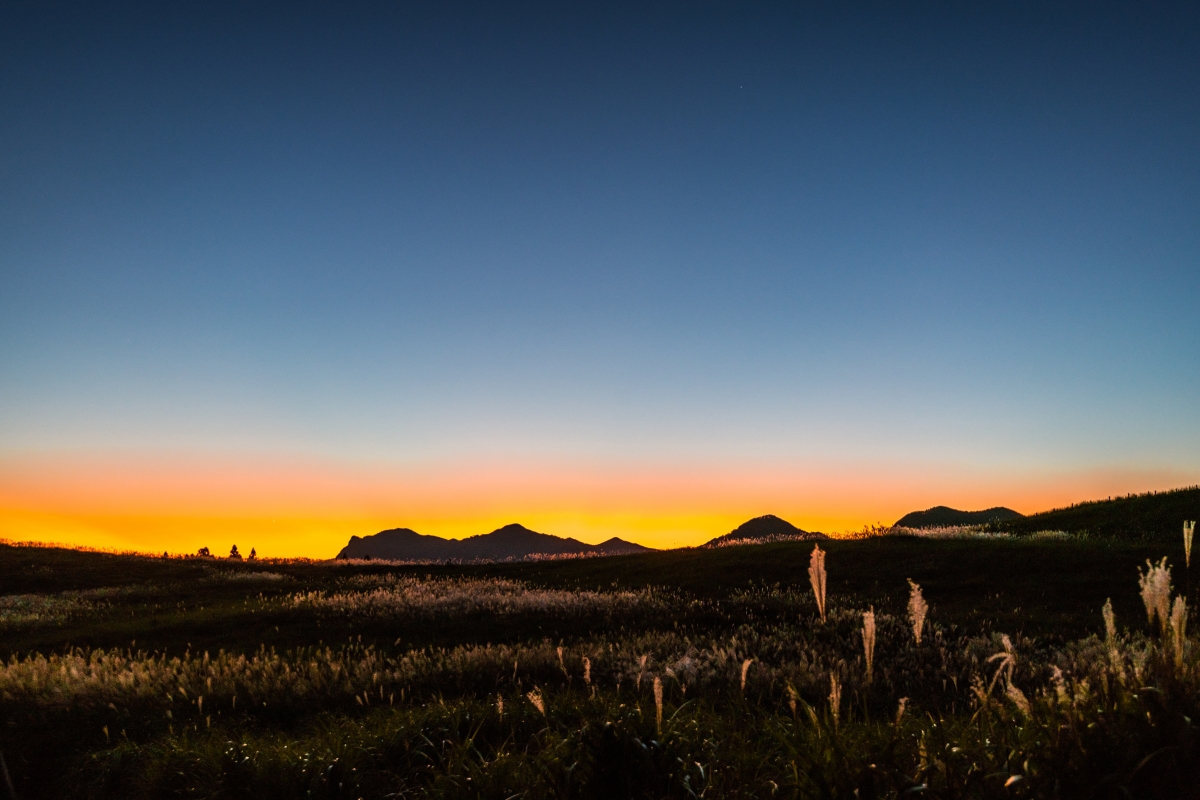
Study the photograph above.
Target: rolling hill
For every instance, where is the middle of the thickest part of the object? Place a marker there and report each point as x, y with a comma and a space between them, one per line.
1154, 516
944, 516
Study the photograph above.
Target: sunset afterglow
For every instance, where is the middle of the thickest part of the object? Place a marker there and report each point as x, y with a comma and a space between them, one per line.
310, 508
282, 278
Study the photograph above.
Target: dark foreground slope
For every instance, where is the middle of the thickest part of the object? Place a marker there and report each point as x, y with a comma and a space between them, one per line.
1155, 516
511, 542
700, 672
1032, 586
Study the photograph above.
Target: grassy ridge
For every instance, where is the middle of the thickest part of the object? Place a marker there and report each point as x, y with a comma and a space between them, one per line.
364, 680
1154, 516
1047, 588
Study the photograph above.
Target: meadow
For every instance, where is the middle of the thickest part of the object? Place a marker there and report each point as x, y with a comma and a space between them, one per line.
916, 667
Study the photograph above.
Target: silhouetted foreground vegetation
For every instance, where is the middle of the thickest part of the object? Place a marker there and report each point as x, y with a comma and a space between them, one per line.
704, 673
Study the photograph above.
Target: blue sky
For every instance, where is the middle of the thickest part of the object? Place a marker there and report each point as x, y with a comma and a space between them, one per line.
677, 232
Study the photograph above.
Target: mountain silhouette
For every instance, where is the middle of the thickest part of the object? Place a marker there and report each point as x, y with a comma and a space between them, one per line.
510, 542
764, 529
944, 516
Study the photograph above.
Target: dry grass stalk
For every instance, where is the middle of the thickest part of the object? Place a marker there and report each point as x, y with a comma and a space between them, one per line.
535, 697
1060, 686
658, 700
561, 664
641, 671
900, 710
1156, 593
835, 698
917, 609
1179, 629
1188, 529
1110, 639
868, 634
745, 670
816, 576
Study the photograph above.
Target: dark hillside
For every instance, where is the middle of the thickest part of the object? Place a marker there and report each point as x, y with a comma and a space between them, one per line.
1155, 516
944, 516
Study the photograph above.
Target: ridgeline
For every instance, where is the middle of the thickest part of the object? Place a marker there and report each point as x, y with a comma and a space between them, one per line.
1154, 516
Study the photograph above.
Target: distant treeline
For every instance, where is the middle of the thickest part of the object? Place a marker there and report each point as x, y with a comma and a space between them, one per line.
1150, 516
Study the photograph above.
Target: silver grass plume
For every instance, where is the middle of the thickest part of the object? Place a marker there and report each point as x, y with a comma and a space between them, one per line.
1110, 623
535, 697
1018, 698
745, 670
868, 634
917, 609
1188, 529
1155, 585
1007, 659
816, 576
1179, 629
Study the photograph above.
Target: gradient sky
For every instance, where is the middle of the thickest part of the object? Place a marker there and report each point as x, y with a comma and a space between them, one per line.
280, 273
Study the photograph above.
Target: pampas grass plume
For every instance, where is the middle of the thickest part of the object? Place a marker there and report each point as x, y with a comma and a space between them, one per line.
917, 609
535, 697
1188, 529
658, 700
868, 634
1155, 585
1179, 628
816, 576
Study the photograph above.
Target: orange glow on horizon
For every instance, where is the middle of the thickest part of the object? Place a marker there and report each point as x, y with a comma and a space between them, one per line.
298, 507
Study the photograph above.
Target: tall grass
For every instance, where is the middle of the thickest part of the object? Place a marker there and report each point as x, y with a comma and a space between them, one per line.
843, 702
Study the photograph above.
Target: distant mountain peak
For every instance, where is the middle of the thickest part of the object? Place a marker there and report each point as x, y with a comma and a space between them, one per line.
945, 517
510, 542
767, 528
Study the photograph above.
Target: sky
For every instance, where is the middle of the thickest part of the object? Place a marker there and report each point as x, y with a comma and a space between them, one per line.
277, 274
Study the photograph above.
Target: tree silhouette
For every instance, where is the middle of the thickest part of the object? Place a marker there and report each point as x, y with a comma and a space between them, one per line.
234, 554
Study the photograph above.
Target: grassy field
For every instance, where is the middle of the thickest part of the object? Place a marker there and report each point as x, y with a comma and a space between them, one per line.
694, 673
